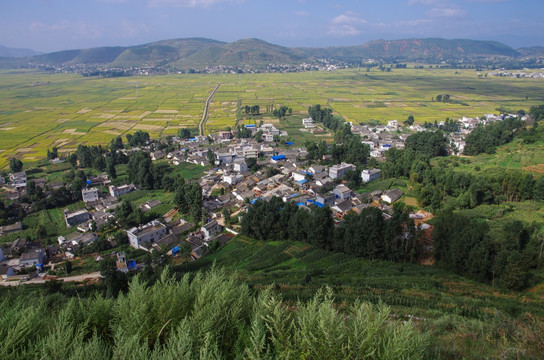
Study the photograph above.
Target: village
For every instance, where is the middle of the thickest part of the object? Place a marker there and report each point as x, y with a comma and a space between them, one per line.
242, 171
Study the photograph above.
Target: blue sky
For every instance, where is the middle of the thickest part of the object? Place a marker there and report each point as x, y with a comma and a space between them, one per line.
51, 25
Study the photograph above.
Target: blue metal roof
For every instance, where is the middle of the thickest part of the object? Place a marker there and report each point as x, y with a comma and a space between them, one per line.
289, 143
278, 157
301, 204
303, 181
249, 126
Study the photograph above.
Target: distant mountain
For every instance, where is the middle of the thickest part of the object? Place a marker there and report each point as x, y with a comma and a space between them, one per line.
12, 52
199, 52
532, 51
417, 49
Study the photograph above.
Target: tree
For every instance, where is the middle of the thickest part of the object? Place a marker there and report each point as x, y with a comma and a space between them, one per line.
211, 157
116, 144
110, 167
184, 133
53, 153
15, 165
410, 120
68, 267
226, 215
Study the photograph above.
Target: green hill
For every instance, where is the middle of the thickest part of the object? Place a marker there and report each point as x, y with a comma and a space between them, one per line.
418, 49
199, 52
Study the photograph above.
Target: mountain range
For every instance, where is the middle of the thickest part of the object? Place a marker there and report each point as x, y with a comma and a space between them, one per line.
200, 52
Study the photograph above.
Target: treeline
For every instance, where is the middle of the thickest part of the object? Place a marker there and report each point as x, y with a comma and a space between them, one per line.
367, 235
324, 116
352, 151
485, 139
465, 246
436, 187
205, 316
428, 143
449, 125
446, 98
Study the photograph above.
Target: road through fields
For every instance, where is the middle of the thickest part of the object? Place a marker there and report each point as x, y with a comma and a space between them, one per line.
201, 129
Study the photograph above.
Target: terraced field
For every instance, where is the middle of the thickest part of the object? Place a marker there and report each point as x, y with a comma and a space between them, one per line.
40, 110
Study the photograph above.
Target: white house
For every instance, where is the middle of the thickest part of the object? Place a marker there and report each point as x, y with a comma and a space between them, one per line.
211, 229
146, 234
370, 174
89, 195
392, 195
338, 171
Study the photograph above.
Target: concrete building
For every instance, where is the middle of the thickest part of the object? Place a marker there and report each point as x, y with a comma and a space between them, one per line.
121, 190
392, 195
341, 193
338, 171
89, 195
370, 174
146, 234
76, 217
240, 166
211, 229
32, 258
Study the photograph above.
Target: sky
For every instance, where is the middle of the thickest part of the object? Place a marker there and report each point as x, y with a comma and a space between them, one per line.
53, 25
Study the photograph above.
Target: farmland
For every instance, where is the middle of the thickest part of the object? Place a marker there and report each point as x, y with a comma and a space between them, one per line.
41, 110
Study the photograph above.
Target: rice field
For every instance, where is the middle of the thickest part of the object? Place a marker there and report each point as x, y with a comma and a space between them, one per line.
41, 110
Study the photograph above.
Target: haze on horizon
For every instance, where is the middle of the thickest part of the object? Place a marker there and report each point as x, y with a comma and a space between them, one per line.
53, 25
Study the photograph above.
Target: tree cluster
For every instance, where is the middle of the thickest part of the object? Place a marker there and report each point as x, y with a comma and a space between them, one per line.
427, 143
141, 171
324, 116
252, 110
485, 139
352, 150
365, 235
53, 153
282, 111
139, 138
465, 246
243, 132
188, 198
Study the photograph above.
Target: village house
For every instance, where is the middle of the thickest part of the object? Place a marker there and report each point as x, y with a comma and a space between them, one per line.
342, 192
32, 258
13, 228
338, 171
77, 217
211, 229
89, 195
121, 190
392, 195
146, 234
370, 175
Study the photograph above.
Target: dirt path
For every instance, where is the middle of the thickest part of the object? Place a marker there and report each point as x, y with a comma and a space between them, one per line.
39, 280
201, 129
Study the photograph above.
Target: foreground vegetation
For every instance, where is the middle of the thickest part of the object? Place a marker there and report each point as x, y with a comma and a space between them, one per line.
209, 316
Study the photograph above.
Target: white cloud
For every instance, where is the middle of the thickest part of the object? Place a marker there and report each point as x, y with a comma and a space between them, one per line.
190, 3
347, 24
348, 18
446, 12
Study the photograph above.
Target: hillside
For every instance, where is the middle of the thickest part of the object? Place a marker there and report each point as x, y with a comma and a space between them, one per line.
199, 52
16, 53
418, 49
450, 307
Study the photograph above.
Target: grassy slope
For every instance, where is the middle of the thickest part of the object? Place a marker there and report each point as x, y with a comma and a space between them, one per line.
453, 309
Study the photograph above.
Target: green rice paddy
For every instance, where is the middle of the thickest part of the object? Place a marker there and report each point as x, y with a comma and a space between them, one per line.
41, 110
